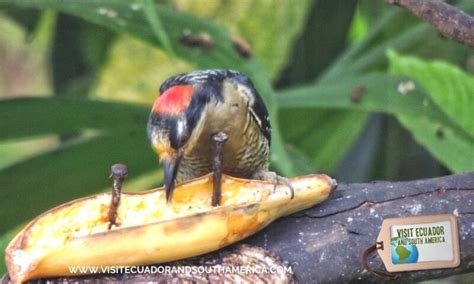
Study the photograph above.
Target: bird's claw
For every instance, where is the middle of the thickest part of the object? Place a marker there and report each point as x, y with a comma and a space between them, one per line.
283, 181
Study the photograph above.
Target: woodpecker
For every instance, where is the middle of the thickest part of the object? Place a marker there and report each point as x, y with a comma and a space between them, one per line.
210, 121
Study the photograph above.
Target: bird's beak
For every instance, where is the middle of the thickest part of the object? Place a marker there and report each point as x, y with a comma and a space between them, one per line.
171, 170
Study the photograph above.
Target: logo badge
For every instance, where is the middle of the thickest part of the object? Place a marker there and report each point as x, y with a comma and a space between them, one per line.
418, 243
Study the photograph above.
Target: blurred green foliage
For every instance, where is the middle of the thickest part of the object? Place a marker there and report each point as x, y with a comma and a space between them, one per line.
356, 89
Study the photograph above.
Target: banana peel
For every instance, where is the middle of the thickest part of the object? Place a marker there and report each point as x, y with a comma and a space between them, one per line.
149, 230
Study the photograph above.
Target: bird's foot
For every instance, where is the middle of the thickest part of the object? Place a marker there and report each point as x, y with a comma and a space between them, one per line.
118, 174
277, 180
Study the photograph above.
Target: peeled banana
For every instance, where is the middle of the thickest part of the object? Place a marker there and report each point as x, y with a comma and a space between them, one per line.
149, 230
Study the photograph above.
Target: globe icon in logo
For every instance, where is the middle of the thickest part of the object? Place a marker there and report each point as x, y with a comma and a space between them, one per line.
403, 253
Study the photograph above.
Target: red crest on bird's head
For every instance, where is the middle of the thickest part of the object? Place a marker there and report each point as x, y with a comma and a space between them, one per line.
174, 100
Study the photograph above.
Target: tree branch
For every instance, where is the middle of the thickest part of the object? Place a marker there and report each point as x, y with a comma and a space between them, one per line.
449, 21
325, 243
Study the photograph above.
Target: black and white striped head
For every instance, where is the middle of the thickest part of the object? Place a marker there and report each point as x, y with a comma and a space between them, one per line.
183, 98
182, 103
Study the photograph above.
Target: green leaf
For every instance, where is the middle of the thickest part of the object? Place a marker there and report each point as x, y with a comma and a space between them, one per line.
445, 143
16, 150
4, 241
43, 34
126, 17
270, 27
155, 23
392, 30
335, 138
314, 135
133, 71
415, 110
324, 37
324, 137
359, 27
376, 55
450, 88
76, 168
70, 172
302, 164
26, 117
379, 94
371, 46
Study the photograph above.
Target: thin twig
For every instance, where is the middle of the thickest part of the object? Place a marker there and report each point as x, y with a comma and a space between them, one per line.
448, 20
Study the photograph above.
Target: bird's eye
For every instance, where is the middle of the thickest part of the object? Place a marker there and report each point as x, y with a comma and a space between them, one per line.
183, 140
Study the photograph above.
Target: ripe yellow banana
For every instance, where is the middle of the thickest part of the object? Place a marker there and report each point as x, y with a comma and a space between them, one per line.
151, 231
